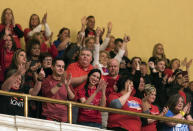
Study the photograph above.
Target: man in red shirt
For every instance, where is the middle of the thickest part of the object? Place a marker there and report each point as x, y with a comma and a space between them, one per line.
113, 77
57, 86
79, 71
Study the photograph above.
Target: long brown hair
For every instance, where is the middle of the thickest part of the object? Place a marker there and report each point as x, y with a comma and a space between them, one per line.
3, 16
30, 26
14, 62
173, 101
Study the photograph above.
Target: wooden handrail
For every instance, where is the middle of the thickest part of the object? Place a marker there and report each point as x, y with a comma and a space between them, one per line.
70, 104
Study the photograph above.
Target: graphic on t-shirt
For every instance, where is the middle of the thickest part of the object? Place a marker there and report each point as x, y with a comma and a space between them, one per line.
180, 127
17, 102
134, 105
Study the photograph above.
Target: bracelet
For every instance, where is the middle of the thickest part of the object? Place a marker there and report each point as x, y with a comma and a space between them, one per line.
182, 113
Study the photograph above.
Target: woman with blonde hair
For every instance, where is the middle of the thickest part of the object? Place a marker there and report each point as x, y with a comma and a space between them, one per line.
158, 53
149, 108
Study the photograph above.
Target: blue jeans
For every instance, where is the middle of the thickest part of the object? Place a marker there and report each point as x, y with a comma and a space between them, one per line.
92, 124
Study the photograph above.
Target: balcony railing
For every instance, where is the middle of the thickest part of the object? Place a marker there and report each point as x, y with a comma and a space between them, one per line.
70, 104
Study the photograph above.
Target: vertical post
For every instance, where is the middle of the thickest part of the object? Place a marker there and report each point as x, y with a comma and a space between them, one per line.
70, 113
26, 106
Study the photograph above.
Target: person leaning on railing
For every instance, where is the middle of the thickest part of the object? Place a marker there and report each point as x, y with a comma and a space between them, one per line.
15, 83
149, 108
122, 99
57, 86
178, 109
92, 93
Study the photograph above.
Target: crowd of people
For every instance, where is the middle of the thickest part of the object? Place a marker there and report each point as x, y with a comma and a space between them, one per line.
92, 70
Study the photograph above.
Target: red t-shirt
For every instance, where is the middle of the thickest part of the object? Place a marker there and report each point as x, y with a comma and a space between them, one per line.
54, 111
26, 31
127, 122
77, 71
111, 82
52, 50
152, 127
8, 58
87, 115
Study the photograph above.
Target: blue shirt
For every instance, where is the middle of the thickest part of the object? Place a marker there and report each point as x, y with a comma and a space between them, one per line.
177, 127
60, 53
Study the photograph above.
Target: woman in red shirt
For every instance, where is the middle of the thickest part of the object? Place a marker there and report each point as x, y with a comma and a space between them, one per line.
8, 27
148, 107
92, 93
7, 49
122, 99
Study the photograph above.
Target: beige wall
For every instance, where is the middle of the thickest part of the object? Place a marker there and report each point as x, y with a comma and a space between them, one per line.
146, 21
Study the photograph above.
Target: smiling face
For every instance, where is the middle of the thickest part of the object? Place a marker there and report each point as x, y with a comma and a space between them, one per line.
58, 68
65, 34
90, 43
17, 83
180, 104
34, 21
94, 79
103, 58
151, 96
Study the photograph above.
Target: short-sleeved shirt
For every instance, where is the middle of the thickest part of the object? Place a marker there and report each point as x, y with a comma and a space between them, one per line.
152, 126
177, 127
14, 105
77, 71
88, 115
111, 82
54, 111
127, 122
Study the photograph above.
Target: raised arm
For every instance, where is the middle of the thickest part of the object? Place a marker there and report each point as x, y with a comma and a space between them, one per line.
13, 78
119, 103
101, 87
180, 115
37, 87
96, 47
47, 28
107, 39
